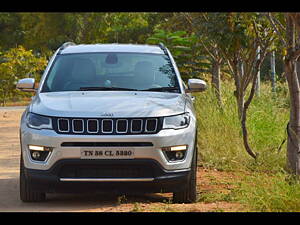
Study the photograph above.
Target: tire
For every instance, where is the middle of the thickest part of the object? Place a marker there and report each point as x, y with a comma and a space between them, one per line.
189, 194
26, 193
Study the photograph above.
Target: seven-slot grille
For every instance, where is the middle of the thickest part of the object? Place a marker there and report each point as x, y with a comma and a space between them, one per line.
107, 126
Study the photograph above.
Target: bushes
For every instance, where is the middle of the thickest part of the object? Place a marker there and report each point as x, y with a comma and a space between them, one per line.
15, 64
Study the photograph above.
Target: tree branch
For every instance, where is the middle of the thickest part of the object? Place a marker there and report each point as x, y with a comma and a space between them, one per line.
281, 37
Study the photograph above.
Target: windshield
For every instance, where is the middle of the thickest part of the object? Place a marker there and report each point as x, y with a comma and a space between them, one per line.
111, 71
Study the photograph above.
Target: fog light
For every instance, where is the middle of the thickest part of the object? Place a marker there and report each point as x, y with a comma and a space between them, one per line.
175, 153
39, 153
179, 155
175, 148
36, 154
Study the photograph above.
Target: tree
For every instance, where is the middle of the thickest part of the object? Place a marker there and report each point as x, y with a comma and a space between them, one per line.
238, 36
11, 32
18, 63
287, 26
200, 23
184, 49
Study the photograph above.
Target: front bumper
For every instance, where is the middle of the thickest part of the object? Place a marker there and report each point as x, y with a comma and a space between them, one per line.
157, 174
156, 179
163, 138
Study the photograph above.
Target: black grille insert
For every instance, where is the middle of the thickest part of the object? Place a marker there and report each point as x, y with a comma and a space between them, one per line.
136, 125
106, 171
107, 126
122, 126
92, 126
63, 125
151, 125
77, 126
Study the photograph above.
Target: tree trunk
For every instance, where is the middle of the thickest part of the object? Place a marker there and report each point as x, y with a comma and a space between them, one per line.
216, 81
293, 143
240, 103
273, 71
244, 113
257, 86
240, 94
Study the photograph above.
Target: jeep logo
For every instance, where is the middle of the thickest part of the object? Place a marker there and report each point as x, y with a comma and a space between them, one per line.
107, 114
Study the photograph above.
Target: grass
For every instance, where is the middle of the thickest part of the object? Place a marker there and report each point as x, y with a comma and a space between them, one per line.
269, 192
220, 137
263, 185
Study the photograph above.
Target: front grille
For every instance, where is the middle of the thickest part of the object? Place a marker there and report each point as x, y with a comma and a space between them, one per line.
105, 126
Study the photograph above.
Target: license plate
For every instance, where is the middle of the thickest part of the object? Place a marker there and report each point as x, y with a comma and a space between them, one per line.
88, 153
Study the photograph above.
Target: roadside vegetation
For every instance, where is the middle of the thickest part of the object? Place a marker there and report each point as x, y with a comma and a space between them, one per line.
246, 163
261, 185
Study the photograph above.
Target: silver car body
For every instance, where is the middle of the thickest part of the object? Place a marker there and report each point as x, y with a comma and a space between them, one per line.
110, 104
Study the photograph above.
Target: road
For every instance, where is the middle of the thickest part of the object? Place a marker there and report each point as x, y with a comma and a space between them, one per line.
9, 185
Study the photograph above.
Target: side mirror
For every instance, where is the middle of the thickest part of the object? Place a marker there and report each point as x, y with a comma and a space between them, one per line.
26, 84
196, 85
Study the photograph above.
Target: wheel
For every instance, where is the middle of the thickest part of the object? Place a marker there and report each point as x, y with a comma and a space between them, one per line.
26, 194
189, 194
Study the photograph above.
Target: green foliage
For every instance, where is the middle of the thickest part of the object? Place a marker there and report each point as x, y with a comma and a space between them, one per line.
220, 137
184, 49
47, 31
18, 63
262, 185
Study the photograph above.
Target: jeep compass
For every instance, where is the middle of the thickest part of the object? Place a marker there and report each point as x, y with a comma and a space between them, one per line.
112, 118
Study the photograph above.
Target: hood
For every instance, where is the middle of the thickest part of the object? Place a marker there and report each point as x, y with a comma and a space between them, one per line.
108, 104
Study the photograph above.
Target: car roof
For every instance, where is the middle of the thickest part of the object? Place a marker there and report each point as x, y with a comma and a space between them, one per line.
132, 48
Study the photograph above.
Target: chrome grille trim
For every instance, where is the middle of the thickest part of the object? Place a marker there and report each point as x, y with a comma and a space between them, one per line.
112, 126
87, 125
121, 132
150, 131
82, 122
63, 131
141, 126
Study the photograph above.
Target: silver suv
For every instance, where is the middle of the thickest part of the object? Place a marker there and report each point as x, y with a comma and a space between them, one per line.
109, 118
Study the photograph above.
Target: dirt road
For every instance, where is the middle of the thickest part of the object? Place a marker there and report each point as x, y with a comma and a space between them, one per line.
9, 185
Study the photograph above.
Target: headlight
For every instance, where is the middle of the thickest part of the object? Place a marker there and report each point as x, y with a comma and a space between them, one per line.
176, 122
38, 122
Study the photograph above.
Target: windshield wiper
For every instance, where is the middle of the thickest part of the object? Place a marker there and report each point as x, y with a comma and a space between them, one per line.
162, 89
106, 89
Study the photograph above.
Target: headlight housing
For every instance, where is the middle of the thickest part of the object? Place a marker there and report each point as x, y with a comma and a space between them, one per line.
36, 121
176, 122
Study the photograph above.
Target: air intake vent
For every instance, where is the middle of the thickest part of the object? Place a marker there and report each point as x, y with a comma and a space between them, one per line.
92, 126
63, 125
122, 126
77, 125
151, 125
136, 125
107, 126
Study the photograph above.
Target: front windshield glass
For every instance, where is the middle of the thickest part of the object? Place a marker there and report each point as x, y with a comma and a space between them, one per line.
111, 71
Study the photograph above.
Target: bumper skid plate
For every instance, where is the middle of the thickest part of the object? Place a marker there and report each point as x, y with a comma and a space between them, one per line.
117, 176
